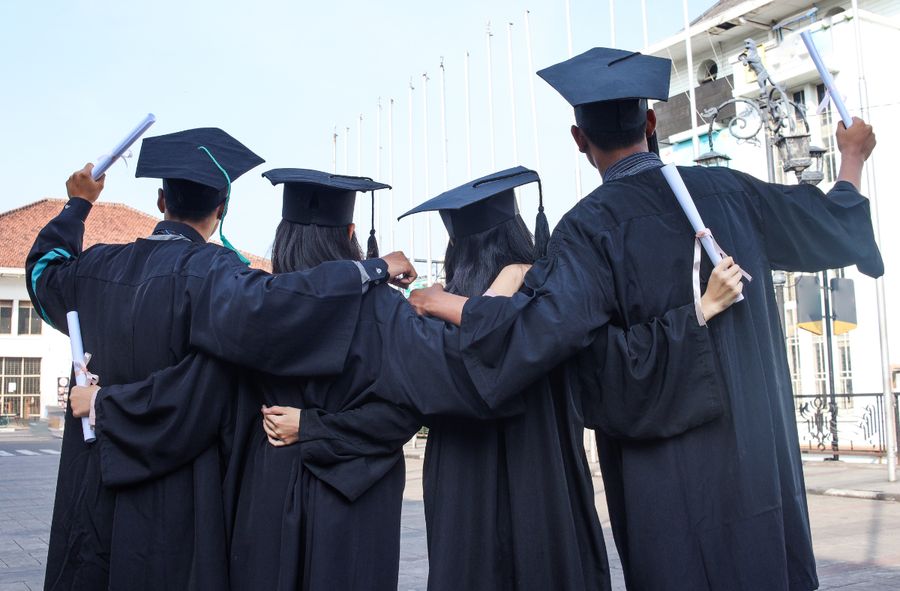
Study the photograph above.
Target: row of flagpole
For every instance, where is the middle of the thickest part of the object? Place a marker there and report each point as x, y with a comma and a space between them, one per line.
424, 167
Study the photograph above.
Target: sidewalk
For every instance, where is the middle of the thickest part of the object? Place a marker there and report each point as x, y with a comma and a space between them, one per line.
849, 479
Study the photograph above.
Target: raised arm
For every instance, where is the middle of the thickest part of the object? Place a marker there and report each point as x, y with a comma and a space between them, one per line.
50, 266
805, 230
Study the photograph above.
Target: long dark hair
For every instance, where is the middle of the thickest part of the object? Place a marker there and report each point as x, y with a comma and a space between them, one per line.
472, 262
298, 247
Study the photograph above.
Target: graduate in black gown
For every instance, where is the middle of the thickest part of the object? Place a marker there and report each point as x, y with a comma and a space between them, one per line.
323, 471
509, 502
720, 505
158, 521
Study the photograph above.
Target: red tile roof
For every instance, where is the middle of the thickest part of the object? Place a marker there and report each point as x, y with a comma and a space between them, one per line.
109, 223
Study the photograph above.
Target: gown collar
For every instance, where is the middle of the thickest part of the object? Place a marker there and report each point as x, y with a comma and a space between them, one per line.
632, 164
179, 229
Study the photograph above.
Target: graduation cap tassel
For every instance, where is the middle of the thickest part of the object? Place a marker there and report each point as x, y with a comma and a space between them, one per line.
541, 227
224, 240
372, 245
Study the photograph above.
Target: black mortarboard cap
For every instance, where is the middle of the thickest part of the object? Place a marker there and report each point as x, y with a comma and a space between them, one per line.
481, 204
615, 83
323, 199
201, 156
197, 167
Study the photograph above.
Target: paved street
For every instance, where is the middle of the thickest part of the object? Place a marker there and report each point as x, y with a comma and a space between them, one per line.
857, 540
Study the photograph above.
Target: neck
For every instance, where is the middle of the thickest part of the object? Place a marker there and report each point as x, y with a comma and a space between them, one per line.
205, 228
603, 159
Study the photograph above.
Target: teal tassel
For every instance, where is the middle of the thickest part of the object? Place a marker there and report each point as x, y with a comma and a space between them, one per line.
224, 240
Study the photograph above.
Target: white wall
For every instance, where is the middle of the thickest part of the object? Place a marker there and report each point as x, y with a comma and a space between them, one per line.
51, 346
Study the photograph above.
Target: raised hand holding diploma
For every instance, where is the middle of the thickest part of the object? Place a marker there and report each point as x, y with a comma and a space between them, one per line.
106, 161
827, 79
79, 364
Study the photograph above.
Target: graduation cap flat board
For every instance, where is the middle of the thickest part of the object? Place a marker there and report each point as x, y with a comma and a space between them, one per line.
615, 83
203, 156
480, 204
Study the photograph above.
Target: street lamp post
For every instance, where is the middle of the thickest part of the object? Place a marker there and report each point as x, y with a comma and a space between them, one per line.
786, 129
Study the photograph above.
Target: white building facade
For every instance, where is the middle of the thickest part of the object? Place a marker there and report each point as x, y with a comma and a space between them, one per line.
859, 46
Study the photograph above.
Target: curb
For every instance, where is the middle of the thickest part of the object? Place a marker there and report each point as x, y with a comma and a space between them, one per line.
870, 495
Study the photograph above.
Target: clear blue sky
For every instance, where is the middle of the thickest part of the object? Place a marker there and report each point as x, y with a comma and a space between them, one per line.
280, 76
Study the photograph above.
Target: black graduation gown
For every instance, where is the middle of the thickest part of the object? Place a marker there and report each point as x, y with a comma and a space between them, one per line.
714, 505
324, 513
143, 306
509, 503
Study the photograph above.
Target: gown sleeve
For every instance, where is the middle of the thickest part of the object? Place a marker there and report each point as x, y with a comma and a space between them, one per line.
657, 379
508, 343
806, 230
353, 449
51, 264
153, 427
290, 324
422, 368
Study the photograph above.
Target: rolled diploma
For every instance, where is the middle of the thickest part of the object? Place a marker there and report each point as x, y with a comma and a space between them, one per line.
80, 377
827, 79
105, 162
676, 183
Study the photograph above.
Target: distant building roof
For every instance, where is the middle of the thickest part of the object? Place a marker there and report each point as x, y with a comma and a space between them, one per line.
109, 223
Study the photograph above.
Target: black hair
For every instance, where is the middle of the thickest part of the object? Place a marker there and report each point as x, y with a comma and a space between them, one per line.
298, 247
472, 262
189, 201
594, 121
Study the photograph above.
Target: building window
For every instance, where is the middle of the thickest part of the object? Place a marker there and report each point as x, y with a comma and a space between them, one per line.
6, 310
29, 319
827, 130
821, 371
793, 343
845, 375
21, 381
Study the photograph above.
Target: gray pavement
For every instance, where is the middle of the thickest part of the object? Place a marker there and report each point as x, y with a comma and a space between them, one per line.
857, 540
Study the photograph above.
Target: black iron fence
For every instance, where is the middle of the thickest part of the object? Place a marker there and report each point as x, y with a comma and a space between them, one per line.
858, 423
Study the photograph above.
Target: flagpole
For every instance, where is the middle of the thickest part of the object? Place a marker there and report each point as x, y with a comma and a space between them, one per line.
512, 94
490, 73
426, 179
376, 210
468, 123
695, 139
575, 154
359, 146
347, 150
334, 137
392, 221
444, 121
612, 23
534, 123
644, 23
412, 175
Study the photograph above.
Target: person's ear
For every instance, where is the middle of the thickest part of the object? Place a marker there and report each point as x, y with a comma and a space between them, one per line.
161, 201
220, 211
350, 230
651, 122
580, 139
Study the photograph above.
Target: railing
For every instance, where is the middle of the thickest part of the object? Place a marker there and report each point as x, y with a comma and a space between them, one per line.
861, 423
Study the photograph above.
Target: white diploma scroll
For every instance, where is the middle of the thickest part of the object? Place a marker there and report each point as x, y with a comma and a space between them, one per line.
827, 79
676, 183
80, 371
106, 161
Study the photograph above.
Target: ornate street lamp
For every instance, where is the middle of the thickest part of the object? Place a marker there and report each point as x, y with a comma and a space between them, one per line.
713, 158
815, 173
